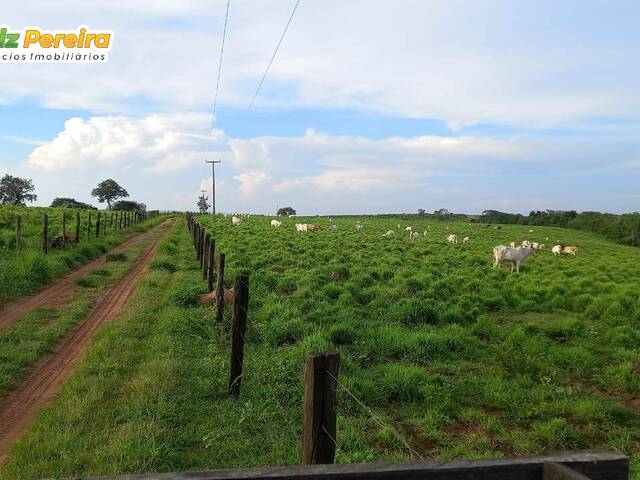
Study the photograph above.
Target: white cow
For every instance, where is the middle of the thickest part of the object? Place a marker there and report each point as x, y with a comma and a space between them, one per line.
389, 234
513, 244
413, 236
235, 220
408, 229
535, 245
465, 240
526, 244
557, 249
516, 256
452, 238
301, 227
276, 223
359, 227
424, 233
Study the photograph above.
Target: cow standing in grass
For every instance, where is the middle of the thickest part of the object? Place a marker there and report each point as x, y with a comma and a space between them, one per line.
517, 256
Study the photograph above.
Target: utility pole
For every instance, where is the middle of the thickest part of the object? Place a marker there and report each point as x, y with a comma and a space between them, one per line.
213, 184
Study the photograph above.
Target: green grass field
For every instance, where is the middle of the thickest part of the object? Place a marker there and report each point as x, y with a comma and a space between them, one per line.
26, 269
452, 357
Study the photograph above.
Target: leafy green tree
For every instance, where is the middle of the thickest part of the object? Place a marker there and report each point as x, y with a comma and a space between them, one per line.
60, 202
129, 206
203, 205
16, 191
286, 212
108, 191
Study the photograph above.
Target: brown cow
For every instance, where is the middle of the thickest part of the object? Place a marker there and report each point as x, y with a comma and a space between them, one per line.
210, 298
571, 250
59, 241
313, 228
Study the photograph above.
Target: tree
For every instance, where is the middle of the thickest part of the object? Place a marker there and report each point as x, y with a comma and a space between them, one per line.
422, 211
203, 205
16, 191
60, 202
129, 206
108, 191
442, 214
286, 212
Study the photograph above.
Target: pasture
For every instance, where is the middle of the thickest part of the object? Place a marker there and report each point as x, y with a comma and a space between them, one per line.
443, 356
24, 267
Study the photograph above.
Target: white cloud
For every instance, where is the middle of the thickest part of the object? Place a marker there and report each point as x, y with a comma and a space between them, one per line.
464, 62
251, 181
157, 143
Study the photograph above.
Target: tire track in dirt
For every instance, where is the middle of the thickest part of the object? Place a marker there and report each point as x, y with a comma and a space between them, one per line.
19, 408
61, 291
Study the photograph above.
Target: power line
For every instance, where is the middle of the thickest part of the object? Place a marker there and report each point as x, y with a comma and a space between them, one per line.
274, 54
224, 35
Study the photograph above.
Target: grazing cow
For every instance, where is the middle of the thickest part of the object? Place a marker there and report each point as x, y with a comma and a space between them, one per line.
408, 229
312, 227
557, 249
526, 244
59, 241
301, 227
465, 240
210, 298
389, 234
516, 256
276, 223
535, 245
413, 236
333, 228
571, 250
541, 246
424, 233
235, 220
452, 238
359, 227
513, 244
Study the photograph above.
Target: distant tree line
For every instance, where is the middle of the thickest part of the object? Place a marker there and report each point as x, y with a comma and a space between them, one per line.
623, 228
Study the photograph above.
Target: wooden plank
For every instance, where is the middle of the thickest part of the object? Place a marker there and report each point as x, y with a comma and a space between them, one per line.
319, 423
557, 471
596, 465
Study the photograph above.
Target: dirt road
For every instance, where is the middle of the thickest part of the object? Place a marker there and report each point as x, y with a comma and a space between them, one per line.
19, 408
61, 291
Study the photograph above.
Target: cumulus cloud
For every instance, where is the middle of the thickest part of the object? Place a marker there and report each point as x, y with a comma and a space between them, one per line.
157, 143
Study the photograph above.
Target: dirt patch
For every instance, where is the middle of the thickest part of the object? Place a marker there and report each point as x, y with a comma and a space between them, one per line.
61, 291
20, 406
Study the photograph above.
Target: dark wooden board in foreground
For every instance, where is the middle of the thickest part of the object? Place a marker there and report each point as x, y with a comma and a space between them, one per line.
594, 465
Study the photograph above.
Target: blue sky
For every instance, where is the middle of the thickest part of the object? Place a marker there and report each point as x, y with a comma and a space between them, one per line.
370, 106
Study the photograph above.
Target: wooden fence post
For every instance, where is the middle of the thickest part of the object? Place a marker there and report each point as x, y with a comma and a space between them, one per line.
238, 329
77, 227
220, 289
89, 227
119, 220
205, 261
319, 428
64, 229
18, 231
45, 234
212, 252
98, 226
104, 225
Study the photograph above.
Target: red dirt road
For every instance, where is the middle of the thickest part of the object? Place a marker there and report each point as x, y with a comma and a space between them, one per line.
61, 291
19, 408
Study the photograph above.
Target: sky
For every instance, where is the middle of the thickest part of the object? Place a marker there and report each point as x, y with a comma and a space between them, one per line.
371, 106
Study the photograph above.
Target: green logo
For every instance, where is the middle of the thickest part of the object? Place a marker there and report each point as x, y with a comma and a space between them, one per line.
8, 39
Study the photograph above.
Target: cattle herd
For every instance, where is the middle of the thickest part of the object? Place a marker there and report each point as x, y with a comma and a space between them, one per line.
516, 255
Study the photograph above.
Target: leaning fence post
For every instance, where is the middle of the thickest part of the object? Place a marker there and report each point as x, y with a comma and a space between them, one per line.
77, 227
220, 289
211, 256
238, 329
319, 427
45, 234
18, 231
